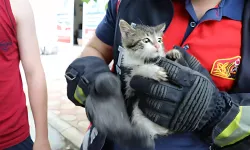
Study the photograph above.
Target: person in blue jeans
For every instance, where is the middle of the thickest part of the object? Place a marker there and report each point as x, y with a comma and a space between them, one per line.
209, 102
19, 44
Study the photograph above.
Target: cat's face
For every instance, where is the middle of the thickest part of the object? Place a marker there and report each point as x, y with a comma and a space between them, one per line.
142, 41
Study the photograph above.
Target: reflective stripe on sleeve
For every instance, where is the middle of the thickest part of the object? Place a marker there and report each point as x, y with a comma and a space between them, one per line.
80, 96
237, 130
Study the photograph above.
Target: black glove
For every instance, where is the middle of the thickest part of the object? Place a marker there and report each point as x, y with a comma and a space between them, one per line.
80, 75
99, 91
189, 101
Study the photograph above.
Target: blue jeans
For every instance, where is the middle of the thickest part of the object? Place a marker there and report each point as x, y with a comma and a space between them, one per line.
27, 144
186, 141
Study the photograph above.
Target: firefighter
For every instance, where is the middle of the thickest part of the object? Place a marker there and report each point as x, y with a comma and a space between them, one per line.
209, 104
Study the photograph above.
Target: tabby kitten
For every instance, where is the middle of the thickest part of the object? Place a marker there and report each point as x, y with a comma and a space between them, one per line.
143, 46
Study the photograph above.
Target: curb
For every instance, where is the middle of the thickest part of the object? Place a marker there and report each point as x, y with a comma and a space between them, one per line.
69, 132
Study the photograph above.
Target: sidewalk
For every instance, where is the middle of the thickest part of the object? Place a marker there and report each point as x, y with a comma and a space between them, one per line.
63, 116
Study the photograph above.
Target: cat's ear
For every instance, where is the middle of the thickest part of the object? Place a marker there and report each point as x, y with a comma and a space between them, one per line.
125, 28
161, 27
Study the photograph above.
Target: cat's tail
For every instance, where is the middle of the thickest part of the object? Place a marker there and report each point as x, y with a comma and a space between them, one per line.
107, 84
109, 115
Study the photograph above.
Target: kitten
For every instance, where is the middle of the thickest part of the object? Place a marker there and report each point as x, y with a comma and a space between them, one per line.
143, 46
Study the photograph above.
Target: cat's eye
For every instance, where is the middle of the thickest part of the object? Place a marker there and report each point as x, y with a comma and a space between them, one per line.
146, 40
159, 40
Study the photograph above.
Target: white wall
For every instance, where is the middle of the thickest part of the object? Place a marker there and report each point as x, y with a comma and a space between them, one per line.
93, 13
45, 19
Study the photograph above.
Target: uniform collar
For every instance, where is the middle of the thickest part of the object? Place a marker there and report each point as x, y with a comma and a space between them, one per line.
232, 9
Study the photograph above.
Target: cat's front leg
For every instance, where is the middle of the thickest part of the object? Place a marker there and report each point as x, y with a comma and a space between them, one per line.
150, 71
173, 54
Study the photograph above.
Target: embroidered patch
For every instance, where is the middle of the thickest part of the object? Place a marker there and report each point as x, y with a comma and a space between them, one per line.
226, 68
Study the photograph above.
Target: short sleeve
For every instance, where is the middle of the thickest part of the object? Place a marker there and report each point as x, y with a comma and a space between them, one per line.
106, 29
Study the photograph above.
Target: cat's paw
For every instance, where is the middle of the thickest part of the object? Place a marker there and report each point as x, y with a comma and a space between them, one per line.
173, 54
159, 74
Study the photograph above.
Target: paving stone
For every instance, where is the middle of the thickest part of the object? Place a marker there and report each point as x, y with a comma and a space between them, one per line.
68, 117
67, 106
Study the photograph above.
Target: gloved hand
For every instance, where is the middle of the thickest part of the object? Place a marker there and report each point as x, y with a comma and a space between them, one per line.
189, 101
93, 86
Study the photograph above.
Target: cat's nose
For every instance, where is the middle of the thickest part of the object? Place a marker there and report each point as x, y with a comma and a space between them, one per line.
157, 46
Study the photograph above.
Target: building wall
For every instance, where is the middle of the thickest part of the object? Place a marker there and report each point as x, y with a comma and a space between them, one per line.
51, 13
45, 20
93, 13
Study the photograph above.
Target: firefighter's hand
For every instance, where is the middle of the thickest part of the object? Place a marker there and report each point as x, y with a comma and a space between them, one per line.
188, 101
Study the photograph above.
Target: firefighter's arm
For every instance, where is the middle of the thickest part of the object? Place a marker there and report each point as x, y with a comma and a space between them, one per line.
234, 128
191, 102
94, 59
